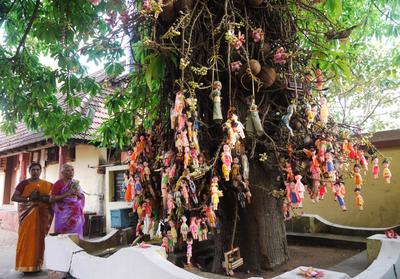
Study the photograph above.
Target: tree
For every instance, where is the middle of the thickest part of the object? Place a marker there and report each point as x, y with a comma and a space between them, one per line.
268, 58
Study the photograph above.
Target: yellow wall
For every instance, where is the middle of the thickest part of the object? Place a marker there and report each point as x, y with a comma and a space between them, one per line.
381, 200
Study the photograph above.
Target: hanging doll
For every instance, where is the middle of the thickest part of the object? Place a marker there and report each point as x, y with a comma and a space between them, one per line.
235, 167
319, 79
165, 244
363, 161
146, 171
375, 168
170, 203
300, 189
237, 126
210, 216
189, 243
199, 229
339, 191
311, 112
292, 194
179, 102
231, 141
216, 98
359, 199
194, 156
357, 177
193, 228
286, 118
184, 228
323, 114
215, 192
185, 192
204, 228
329, 163
179, 142
177, 198
253, 123
386, 171
245, 166
226, 159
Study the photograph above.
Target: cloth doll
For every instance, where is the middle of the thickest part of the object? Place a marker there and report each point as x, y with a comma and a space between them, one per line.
375, 168
357, 177
359, 199
386, 171
216, 98
226, 159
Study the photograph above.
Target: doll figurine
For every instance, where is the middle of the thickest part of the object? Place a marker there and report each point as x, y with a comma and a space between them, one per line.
177, 198
165, 244
255, 120
319, 79
237, 126
174, 233
189, 243
291, 194
194, 155
138, 185
359, 199
329, 163
199, 229
170, 241
357, 177
363, 161
170, 203
147, 171
215, 192
340, 191
286, 118
179, 142
231, 134
226, 159
322, 190
204, 229
311, 112
210, 216
179, 102
184, 228
375, 168
300, 189
194, 228
323, 114
216, 98
386, 171
235, 167
245, 166
185, 192
186, 157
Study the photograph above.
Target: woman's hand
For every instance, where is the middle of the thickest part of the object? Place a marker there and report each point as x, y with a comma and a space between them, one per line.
34, 196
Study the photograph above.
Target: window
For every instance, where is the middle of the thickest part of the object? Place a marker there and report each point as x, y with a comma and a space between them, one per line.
52, 155
35, 156
119, 191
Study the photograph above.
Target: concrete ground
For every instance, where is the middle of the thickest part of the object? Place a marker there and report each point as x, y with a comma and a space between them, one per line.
8, 241
354, 265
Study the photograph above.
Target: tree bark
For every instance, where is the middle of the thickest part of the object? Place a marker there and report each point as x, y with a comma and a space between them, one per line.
263, 242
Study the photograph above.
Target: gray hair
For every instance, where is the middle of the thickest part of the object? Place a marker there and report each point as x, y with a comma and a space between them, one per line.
66, 166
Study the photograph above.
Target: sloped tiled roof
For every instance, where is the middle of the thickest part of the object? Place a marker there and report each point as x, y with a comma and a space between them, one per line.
24, 137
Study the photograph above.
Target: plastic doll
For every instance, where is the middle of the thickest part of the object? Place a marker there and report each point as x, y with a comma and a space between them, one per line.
165, 244
319, 79
245, 165
257, 35
170, 203
189, 243
193, 228
386, 171
323, 114
138, 185
215, 192
210, 216
179, 102
311, 112
292, 194
204, 228
216, 98
375, 168
300, 189
181, 121
340, 192
146, 171
185, 192
286, 118
170, 242
322, 190
357, 177
186, 157
287, 214
237, 126
363, 161
194, 156
359, 199
177, 198
199, 229
174, 233
231, 134
226, 159
184, 228
255, 120
235, 167
329, 163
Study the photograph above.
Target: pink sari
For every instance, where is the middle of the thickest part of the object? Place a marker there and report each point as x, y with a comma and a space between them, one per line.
68, 212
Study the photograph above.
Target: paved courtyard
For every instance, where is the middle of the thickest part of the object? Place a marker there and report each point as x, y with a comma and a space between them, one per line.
8, 242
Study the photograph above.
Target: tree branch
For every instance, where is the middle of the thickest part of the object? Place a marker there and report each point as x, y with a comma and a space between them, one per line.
28, 29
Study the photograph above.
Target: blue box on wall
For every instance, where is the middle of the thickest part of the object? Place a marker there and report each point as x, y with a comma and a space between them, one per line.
120, 218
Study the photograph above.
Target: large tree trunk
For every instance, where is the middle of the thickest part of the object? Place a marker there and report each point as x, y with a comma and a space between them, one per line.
261, 228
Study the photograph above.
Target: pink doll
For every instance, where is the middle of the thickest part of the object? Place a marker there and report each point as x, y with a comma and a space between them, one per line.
181, 121
226, 159
165, 244
375, 168
194, 228
323, 114
179, 102
189, 243
280, 56
363, 161
215, 192
386, 171
186, 157
257, 35
185, 140
185, 192
300, 189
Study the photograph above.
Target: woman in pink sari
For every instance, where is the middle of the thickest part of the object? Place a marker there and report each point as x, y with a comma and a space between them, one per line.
68, 201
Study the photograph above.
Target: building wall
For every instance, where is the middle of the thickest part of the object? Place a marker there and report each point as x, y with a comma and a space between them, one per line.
2, 178
381, 200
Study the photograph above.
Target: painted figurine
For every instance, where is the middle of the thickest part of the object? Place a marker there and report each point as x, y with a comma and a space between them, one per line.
386, 171
256, 121
189, 243
235, 167
375, 168
357, 177
286, 118
323, 114
147, 171
193, 228
226, 159
340, 192
184, 228
300, 189
359, 199
215, 192
216, 98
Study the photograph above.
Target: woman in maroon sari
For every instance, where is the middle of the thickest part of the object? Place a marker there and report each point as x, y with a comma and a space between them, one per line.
69, 201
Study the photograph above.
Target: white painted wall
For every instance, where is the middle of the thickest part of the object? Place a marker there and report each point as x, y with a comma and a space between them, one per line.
2, 178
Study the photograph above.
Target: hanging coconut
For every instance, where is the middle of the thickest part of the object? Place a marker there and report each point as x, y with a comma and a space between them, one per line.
255, 66
268, 76
168, 13
255, 3
184, 5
